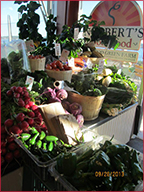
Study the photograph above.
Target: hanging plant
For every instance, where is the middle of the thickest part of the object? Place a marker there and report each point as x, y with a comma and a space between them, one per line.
29, 21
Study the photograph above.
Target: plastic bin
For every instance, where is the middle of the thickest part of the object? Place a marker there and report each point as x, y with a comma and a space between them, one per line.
63, 185
40, 168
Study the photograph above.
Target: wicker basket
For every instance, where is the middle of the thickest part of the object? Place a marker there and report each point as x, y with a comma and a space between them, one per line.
37, 64
91, 106
60, 75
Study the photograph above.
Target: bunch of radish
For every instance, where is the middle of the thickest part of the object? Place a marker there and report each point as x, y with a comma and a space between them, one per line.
9, 149
25, 116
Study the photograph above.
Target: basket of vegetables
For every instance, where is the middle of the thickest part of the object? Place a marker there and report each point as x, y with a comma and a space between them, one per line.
59, 71
90, 97
37, 63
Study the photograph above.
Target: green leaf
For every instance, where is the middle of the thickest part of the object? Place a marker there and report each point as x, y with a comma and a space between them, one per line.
20, 23
18, 2
116, 46
22, 8
33, 5
24, 17
101, 23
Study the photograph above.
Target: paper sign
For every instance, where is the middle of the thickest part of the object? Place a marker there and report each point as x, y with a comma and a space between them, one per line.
29, 82
57, 49
101, 66
30, 45
71, 62
89, 64
76, 33
64, 55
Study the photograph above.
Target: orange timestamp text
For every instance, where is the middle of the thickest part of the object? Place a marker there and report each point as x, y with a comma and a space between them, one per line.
109, 173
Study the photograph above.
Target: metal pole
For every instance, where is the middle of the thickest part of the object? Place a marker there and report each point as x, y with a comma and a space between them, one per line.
9, 28
42, 12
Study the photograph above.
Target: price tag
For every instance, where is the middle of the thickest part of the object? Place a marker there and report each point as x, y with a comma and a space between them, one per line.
89, 64
29, 82
30, 45
101, 66
76, 33
57, 49
71, 62
64, 55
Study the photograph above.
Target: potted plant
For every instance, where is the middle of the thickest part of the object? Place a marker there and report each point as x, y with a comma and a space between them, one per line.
92, 32
29, 21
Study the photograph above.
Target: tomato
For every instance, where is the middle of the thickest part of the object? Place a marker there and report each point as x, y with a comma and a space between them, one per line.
48, 66
53, 65
57, 69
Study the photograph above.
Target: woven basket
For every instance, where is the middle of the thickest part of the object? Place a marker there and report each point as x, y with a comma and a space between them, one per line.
37, 64
60, 75
91, 106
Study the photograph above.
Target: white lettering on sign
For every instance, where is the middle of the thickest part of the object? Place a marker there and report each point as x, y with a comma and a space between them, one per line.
126, 56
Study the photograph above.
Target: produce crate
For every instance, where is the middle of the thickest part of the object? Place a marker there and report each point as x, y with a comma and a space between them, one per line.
33, 182
63, 185
40, 168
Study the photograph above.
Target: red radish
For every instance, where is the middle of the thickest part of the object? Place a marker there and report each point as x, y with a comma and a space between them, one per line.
34, 107
9, 139
13, 88
8, 122
3, 151
20, 117
18, 89
26, 100
9, 93
9, 157
38, 128
3, 130
24, 89
15, 129
3, 144
30, 121
16, 95
17, 153
22, 93
26, 94
21, 103
31, 103
12, 146
27, 106
38, 120
37, 113
24, 125
31, 114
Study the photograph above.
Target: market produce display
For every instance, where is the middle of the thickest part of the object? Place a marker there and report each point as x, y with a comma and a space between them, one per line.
44, 147
109, 167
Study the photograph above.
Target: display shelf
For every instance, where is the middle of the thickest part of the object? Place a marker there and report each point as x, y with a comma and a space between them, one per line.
120, 126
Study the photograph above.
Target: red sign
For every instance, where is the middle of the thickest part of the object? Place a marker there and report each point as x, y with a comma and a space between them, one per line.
123, 19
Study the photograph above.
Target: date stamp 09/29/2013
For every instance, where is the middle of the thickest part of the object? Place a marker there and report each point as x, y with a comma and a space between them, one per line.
109, 173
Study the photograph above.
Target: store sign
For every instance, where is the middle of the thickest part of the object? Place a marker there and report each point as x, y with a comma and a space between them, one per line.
126, 56
123, 19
